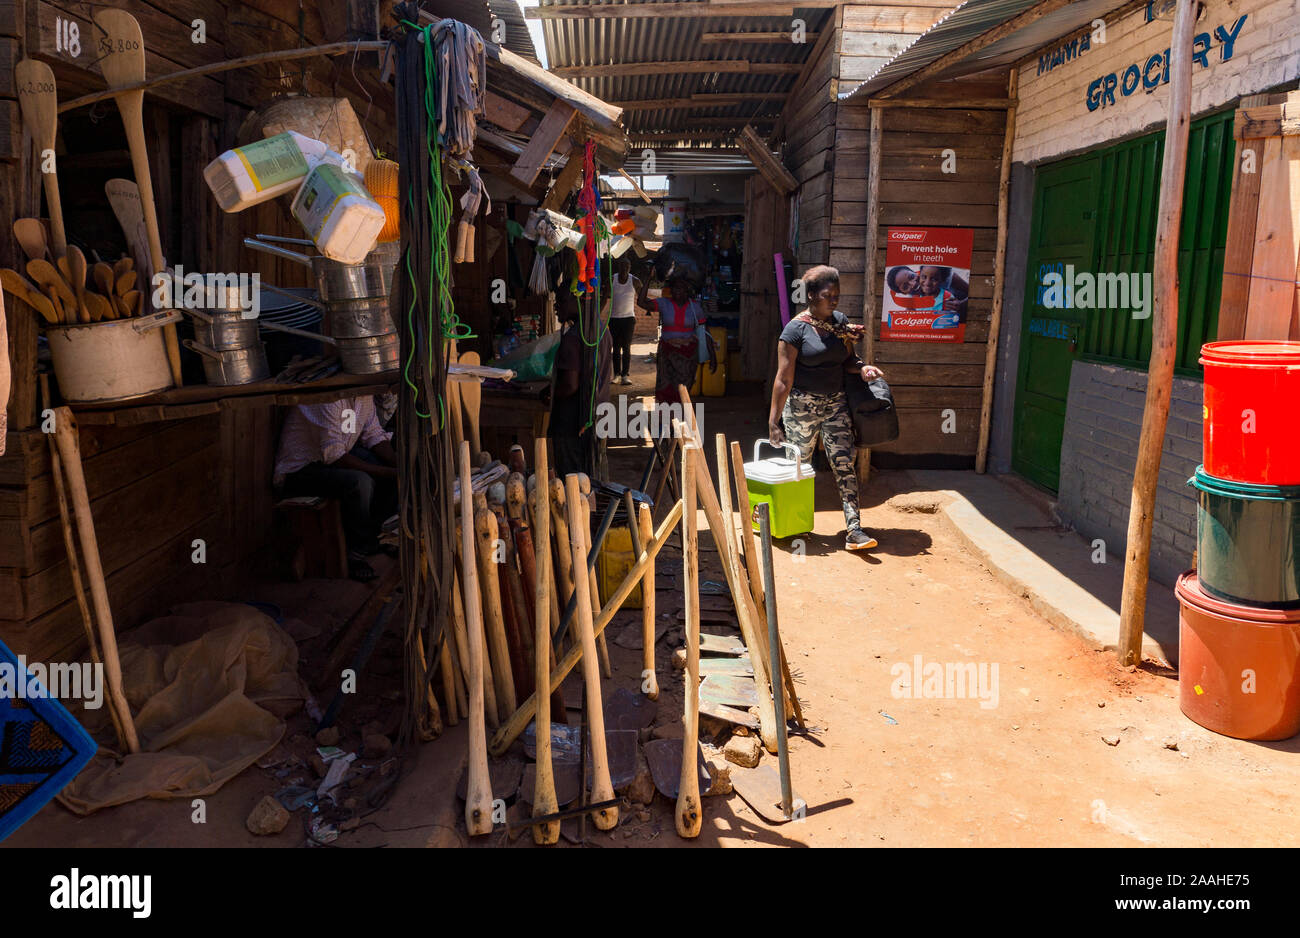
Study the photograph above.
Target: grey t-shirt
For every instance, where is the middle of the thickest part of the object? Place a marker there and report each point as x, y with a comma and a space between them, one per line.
820, 358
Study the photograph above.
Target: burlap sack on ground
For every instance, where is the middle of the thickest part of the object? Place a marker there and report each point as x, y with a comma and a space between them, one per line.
209, 687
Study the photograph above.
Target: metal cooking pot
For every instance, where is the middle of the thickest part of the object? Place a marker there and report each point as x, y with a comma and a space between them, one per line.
232, 366
221, 330
355, 319
369, 355
334, 281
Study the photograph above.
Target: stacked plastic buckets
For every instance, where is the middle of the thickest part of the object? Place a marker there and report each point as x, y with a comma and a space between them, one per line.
1239, 624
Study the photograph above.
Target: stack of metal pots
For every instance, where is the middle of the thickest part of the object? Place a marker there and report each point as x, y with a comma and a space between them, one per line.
227, 341
355, 302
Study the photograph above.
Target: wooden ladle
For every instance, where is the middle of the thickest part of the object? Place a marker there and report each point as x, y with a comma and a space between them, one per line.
39, 99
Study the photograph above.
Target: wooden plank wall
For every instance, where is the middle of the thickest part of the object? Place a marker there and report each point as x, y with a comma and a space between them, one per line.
767, 226
809, 119
928, 378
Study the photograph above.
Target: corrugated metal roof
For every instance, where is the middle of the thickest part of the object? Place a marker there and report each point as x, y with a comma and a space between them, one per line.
971, 20
617, 40
480, 13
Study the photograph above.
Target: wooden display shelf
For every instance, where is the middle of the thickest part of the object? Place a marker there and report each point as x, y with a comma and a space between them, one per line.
198, 399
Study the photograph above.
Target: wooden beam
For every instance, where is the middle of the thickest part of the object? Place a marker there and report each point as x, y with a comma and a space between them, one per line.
673, 10
543, 141
692, 66
635, 188
503, 112
779, 37
701, 101
999, 267
870, 247
1243, 217
809, 64
1277, 120
212, 68
1164, 339
974, 104
564, 184
982, 41
768, 165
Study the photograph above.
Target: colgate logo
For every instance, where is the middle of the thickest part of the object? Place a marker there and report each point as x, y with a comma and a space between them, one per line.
906, 235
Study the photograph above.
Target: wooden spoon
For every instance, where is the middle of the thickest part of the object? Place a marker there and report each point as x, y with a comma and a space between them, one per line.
22, 288
77, 261
121, 266
64, 265
471, 393
124, 65
125, 283
39, 99
100, 307
44, 273
132, 303
30, 233
102, 275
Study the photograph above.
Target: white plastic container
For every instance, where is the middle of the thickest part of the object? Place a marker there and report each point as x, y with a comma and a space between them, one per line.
252, 174
338, 214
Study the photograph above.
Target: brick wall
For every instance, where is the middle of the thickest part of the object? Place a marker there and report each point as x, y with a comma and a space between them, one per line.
1102, 423
1053, 117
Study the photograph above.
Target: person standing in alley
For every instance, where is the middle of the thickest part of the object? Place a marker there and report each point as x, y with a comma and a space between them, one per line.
814, 355
622, 318
677, 359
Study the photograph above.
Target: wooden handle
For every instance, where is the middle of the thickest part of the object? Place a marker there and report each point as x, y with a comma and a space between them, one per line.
485, 527
448, 679
602, 789
593, 590
65, 429
39, 99
471, 395
478, 798
484, 678
564, 561
512, 727
512, 612
544, 799
689, 817
131, 106
645, 528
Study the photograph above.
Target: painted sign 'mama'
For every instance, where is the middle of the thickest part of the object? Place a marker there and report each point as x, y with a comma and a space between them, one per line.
1153, 73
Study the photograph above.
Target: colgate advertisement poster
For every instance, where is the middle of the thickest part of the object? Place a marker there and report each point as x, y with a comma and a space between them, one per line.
927, 284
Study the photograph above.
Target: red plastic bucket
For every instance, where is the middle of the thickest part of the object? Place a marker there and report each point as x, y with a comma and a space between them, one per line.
1250, 429
1238, 666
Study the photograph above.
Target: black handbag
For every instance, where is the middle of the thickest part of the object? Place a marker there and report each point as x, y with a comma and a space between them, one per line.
871, 407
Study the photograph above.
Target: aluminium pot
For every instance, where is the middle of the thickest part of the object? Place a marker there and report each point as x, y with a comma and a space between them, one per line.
229, 367
113, 360
369, 355
357, 319
223, 329
373, 277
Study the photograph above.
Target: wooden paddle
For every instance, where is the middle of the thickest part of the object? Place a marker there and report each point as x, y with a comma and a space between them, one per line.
19, 286
471, 395
77, 264
39, 99
44, 273
122, 62
30, 233
125, 283
122, 265
102, 275
100, 307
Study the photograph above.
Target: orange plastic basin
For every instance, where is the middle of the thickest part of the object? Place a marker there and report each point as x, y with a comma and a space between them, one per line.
1238, 666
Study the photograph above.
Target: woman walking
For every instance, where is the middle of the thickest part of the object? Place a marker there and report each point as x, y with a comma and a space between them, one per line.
678, 354
814, 355
622, 318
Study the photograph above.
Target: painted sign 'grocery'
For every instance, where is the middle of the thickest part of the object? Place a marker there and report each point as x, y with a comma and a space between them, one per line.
1154, 72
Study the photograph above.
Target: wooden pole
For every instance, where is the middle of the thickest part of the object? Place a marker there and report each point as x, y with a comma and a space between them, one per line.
544, 798
645, 531
478, 798
512, 727
65, 435
689, 818
999, 268
870, 302
602, 788
1164, 339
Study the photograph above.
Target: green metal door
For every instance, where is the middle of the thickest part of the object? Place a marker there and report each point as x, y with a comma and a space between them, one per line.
1061, 234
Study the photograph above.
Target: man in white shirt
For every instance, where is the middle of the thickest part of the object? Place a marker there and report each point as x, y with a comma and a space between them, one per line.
339, 450
622, 321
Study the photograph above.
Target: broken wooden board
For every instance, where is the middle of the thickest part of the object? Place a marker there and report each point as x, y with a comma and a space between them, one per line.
761, 789
664, 757
736, 666
728, 714
729, 690
721, 645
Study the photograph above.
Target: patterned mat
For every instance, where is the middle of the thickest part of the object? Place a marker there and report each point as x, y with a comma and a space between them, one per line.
42, 747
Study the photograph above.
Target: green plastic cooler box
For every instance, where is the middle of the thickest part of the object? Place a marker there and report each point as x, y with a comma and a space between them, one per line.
786, 484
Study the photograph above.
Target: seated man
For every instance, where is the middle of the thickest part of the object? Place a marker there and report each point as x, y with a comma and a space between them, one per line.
338, 450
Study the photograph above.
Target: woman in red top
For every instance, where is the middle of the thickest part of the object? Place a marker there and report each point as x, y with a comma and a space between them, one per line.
678, 353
